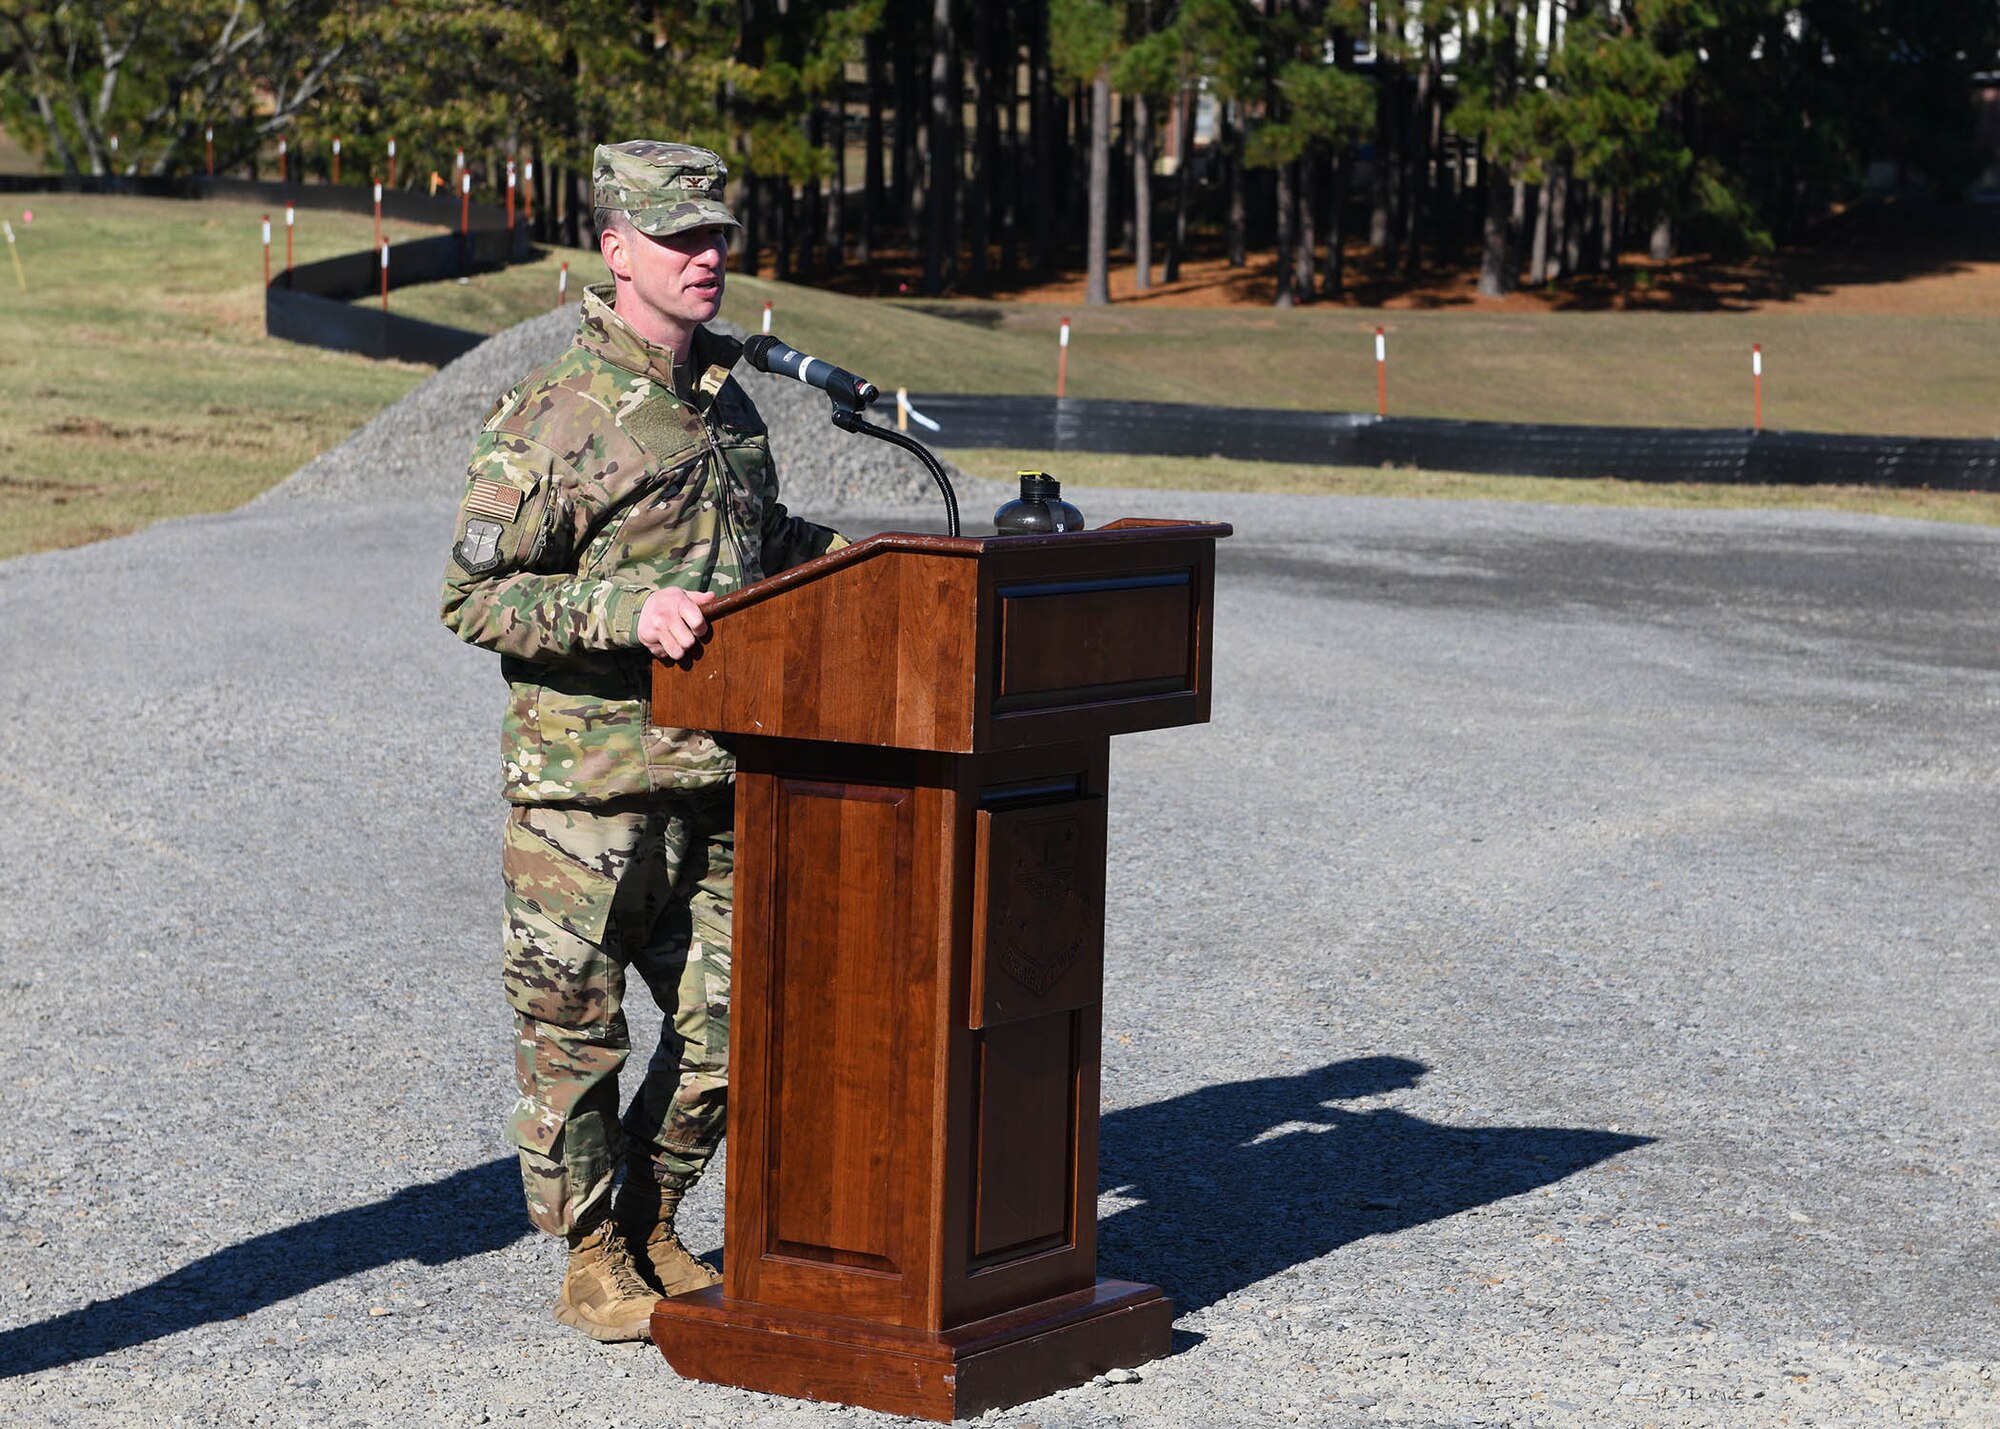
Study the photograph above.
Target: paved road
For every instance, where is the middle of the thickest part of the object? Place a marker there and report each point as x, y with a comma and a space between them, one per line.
1558, 988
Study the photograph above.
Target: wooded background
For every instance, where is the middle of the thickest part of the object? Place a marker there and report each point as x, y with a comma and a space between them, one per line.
1532, 137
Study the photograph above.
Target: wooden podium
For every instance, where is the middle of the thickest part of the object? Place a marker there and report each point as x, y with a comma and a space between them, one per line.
922, 725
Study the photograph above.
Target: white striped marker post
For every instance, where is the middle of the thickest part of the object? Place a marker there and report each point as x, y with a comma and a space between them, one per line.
528, 193
562, 285
1381, 374
392, 161
1757, 382
510, 195
464, 203
767, 316
284, 168
208, 141
267, 250
378, 212
288, 240
1062, 358
336, 161
385, 277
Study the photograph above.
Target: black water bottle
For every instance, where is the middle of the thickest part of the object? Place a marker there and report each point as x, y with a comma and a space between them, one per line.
1038, 510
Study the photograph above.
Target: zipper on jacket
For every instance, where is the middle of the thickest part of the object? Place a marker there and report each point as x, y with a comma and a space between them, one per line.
723, 503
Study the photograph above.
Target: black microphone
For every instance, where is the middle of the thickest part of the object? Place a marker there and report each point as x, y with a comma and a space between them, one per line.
767, 354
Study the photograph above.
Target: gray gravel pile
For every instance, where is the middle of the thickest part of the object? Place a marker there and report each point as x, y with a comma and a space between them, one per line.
416, 449
1558, 989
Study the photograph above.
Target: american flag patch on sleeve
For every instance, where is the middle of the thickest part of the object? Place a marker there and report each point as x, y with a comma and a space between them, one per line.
490, 498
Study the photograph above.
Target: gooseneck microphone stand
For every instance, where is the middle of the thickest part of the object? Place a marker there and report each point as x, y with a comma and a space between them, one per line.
849, 419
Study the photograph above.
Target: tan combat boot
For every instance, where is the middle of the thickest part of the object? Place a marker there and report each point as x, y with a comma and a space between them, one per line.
645, 1214
603, 1294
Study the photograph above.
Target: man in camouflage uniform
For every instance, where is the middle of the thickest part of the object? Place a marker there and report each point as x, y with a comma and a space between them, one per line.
613, 494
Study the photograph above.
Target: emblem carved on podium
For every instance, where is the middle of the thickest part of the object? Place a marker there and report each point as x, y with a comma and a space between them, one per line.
1035, 975
1044, 913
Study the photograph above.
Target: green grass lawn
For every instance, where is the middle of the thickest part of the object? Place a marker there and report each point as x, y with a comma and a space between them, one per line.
491, 302
136, 382
1822, 372
1199, 474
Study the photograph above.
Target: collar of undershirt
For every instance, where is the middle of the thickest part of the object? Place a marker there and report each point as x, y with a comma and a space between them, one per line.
603, 333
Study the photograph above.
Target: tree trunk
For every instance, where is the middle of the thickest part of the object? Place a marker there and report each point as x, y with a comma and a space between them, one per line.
1517, 227
1142, 194
538, 194
1305, 256
1426, 157
1076, 193
751, 212
1238, 223
1333, 273
1121, 174
1041, 175
1098, 259
778, 198
1007, 182
1583, 253
903, 151
1660, 246
1411, 172
1455, 233
940, 197
1561, 257
980, 192
576, 193
1286, 213
1493, 276
1383, 162
871, 173
1538, 250
836, 189
812, 209
1183, 161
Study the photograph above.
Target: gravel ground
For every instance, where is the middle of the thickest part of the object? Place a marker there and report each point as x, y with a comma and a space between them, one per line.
1558, 989
417, 448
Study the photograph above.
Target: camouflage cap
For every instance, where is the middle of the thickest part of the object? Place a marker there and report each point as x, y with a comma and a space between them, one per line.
663, 188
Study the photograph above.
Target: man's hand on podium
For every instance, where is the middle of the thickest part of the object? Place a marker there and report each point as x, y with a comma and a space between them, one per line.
671, 623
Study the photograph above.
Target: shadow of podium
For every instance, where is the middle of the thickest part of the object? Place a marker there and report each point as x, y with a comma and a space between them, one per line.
1231, 1184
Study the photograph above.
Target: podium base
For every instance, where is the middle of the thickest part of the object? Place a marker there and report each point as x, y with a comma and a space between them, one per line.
994, 1363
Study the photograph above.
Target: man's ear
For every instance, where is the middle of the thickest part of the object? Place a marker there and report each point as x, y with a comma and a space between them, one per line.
611, 244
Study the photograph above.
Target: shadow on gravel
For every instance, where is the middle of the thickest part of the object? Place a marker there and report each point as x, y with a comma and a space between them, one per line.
1235, 1183
465, 1214
1240, 1181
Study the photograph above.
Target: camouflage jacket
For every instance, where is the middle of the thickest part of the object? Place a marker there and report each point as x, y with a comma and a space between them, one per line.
593, 485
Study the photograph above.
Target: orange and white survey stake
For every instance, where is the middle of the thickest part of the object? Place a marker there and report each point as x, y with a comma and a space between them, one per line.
15, 253
1381, 374
1757, 383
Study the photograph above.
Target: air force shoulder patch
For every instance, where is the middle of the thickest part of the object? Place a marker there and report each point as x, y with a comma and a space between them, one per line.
478, 550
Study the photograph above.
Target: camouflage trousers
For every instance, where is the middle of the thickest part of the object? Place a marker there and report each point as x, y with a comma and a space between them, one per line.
642, 884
